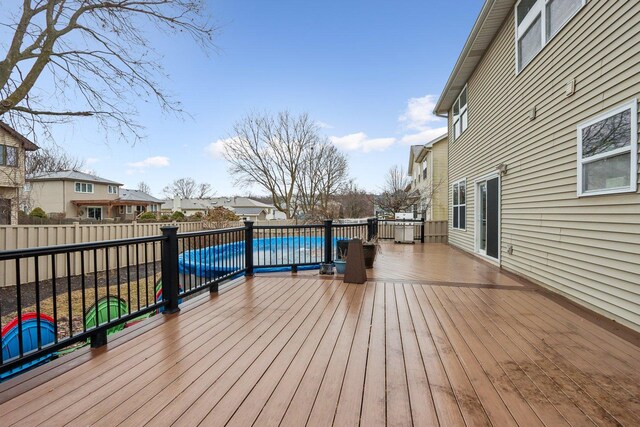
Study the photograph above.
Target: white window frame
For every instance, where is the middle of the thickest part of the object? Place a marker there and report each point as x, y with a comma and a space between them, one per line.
87, 186
632, 149
113, 189
453, 185
457, 118
540, 8
129, 209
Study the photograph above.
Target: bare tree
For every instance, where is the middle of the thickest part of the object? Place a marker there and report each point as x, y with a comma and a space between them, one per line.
204, 190
50, 158
324, 171
396, 196
78, 58
144, 187
355, 202
269, 152
184, 188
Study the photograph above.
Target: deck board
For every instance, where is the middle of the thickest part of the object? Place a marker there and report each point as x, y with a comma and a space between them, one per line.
432, 338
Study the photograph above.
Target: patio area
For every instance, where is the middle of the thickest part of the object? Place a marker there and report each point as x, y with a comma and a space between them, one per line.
435, 337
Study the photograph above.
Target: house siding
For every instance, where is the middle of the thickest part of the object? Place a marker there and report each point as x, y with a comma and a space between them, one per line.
439, 207
12, 178
584, 248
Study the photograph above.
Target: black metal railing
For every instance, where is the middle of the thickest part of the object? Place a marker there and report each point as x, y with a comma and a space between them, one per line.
208, 258
91, 289
69, 295
386, 228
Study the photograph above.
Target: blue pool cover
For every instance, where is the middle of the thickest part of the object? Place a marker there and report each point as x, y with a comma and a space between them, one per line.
277, 253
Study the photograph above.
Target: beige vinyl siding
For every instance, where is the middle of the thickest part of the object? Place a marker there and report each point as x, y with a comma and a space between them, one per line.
584, 248
439, 207
11, 176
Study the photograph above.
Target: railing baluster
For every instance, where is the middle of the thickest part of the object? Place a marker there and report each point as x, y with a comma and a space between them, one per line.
69, 293
37, 292
106, 260
54, 298
19, 308
83, 293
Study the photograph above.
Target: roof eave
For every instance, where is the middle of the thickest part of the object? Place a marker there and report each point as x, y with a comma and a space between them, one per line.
473, 50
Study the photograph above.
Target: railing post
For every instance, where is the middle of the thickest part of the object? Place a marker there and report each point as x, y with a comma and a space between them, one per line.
422, 231
328, 241
248, 248
98, 339
169, 265
370, 229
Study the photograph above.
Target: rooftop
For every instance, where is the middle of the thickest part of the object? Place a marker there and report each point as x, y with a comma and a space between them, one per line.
136, 195
435, 337
212, 202
70, 175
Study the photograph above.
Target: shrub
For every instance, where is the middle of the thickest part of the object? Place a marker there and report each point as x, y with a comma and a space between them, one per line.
219, 214
165, 217
37, 213
147, 216
177, 216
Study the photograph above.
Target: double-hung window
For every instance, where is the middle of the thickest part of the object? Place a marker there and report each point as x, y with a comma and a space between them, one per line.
424, 169
537, 21
460, 115
84, 187
8, 155
460, 205
608, 152
113, 189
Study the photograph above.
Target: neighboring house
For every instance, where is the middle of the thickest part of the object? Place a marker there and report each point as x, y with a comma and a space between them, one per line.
428, 172
543, 154
74, 194
133, 203
13, 148
245, 207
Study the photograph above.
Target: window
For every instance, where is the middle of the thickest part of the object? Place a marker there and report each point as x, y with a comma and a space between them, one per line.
113, 189
537, 21
608, 152
84, 187
94, 213
424, 169
129, 209
460, 205
460, 115
8, 155
153, 208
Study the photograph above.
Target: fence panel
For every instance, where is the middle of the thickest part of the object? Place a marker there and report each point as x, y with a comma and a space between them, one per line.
33, 236
436, 232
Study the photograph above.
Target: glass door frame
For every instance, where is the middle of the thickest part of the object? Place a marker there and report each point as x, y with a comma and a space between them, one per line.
478, 215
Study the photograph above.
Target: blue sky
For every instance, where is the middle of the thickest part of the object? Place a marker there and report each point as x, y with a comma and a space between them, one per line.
369, 71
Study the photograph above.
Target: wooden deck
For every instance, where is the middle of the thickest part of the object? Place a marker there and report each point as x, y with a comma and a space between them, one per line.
436, 338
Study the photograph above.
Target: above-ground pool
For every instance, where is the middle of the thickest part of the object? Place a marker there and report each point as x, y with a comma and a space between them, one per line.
269, 254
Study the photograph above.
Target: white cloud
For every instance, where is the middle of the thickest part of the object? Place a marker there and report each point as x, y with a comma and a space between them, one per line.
361, 142
215, 150
151, 162
419, 113
419, 117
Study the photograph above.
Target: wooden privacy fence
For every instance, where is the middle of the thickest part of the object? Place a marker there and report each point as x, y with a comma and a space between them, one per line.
32, 236
434, 231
